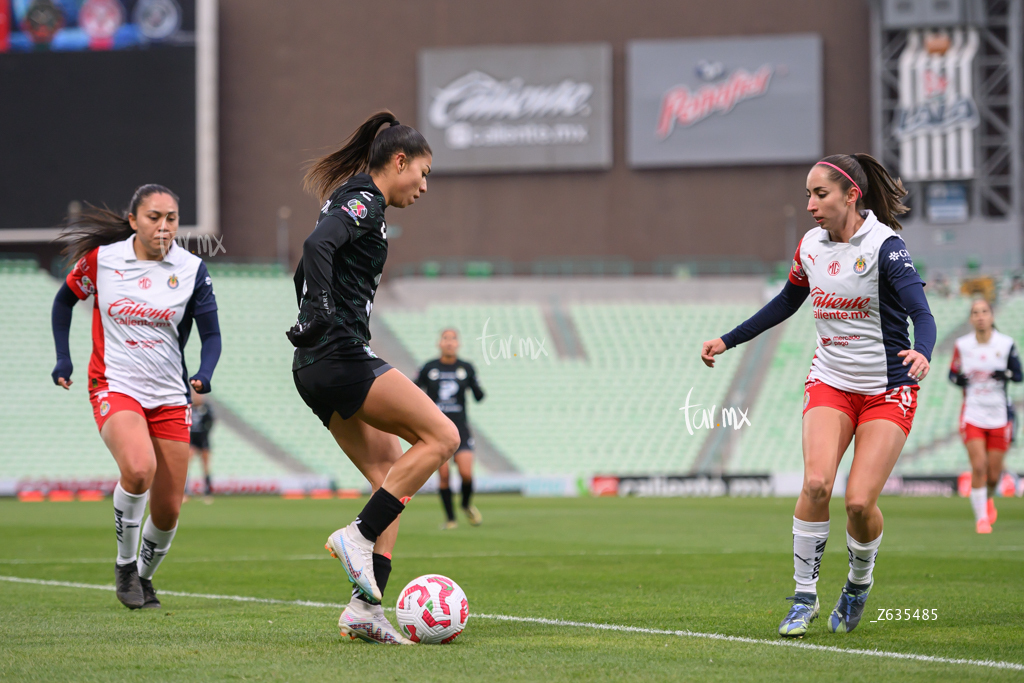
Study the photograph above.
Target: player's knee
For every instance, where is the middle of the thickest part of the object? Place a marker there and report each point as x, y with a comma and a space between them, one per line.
448, 440
858, 506
817, 489
137, 476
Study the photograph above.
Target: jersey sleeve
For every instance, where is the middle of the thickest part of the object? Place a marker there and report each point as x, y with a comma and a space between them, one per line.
353, 212
318, 262
1013, 365
895, 264
203, 297
474, 383
796, 273
82, 278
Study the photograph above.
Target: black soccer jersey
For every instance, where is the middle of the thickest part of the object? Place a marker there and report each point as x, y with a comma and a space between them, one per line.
342, 261
202, 418
446, 386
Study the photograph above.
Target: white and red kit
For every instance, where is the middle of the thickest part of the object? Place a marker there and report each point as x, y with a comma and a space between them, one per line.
142, 316
861, 292
987, 367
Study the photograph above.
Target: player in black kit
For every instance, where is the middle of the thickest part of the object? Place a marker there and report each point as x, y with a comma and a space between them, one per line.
199, 438
364, 402
446, 380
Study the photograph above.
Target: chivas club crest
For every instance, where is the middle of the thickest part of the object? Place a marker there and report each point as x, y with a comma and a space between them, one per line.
100, 20
172, 282
859, 265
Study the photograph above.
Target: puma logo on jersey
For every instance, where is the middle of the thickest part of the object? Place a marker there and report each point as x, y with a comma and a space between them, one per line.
811, 258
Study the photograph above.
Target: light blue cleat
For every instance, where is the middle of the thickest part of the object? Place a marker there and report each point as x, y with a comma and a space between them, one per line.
356, 555
848, 610
800, 616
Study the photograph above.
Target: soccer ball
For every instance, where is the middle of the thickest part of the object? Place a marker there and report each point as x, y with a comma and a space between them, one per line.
432, 609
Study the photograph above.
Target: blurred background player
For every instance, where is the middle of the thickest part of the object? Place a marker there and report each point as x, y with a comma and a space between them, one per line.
446, 380
864, 285
146, 293
984, 361
364, 402
199, 439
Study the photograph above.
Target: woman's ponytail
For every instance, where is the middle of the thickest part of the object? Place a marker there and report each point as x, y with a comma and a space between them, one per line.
364, 151
884, 194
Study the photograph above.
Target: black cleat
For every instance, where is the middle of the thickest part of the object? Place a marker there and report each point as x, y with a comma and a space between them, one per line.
150, 594
128, 585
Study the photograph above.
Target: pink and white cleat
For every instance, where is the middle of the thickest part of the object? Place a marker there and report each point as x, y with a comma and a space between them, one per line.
367, 622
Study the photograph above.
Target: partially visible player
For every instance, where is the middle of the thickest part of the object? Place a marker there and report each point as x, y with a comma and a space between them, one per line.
147, 291
364, 402
199, 439
984, 361
864, 376
446, 380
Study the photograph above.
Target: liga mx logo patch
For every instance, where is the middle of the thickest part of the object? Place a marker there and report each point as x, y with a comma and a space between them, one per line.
860, 265
357, 208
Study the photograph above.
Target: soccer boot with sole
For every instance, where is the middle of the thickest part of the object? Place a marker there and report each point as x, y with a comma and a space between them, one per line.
475, 518
983, 526
355, 552
367, 622
152, 602
803, 611
992, 512
848, 610
449, 525
127, 585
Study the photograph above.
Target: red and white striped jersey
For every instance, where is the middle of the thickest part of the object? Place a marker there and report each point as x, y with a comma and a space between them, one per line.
142, 316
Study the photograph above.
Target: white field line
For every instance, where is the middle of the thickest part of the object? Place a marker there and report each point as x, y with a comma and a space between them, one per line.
1012, 666
468, 555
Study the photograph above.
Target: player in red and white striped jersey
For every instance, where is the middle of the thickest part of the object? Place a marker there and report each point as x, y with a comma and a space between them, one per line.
147, 291
983, 362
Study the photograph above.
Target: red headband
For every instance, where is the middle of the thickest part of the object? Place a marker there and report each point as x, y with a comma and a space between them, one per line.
847, 175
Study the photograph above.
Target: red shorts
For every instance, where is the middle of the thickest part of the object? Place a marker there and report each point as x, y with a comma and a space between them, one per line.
165, 422
997, 439
895, 405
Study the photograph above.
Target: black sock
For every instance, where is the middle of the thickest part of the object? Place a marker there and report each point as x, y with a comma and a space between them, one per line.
380, 511
446, 500
381, 572
467, 493
209, 486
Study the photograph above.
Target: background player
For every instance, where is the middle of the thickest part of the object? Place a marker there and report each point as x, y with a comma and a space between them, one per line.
983, 362
199, 439
446, 380
146, 293
363, 401
863, 377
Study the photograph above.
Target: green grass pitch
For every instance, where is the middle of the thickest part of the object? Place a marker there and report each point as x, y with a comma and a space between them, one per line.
706, 566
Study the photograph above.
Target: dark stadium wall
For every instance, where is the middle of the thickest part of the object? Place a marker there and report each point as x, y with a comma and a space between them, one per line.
296, 78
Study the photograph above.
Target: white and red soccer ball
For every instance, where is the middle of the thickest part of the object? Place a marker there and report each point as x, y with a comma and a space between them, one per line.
432, 609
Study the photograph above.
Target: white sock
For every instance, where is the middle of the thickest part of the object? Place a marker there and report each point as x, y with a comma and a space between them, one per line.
809, 540
128, 511
155, 544
862, 559
979, 501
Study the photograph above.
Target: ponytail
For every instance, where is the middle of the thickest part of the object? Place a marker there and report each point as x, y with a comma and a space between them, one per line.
364, 151
94, 226
879, 191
